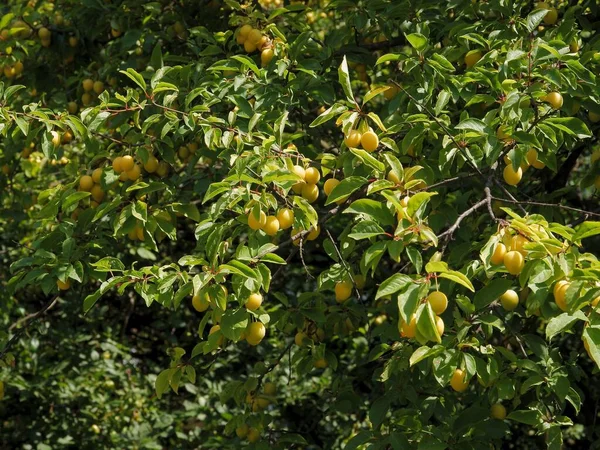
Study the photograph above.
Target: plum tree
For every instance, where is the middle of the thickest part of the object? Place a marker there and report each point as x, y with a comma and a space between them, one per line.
145, 180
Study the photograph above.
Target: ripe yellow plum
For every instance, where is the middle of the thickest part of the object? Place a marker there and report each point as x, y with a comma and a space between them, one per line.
257, 224
509, 300
86, 183
472, 57
438, 302
343, 290
201, 301
353, 139
254, 301
255, 333
310, 192
369, 141
514, 262
512, 176
458, 382
498, 255
560, 294
271, 226
498, 411
329, 185
285, 217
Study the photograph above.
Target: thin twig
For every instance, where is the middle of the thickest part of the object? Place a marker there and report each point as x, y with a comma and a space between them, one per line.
550, 205
302, 258
441, 125
128, 315
344, 263
29, 319
269, 370
513, 199
446, 181
287, 260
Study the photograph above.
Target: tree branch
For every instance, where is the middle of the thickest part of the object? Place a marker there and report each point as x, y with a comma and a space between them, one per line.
450, 231
488, 198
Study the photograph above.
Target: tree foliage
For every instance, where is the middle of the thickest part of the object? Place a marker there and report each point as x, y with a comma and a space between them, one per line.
299, 224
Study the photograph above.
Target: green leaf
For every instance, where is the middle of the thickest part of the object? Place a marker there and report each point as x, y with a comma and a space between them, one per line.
395, 164
389, 57
426, 323
182, 292
272, 258
108, 264
408, 300
418, 41
442, 100
162, 382
475, 125
441, 268
555, 438
346, 187
535, 18
374, 93
392, 285
344, 79
379, 410
74, 198
361, 438
368, 159
329, 114
529, 139
375, 118
135, 77
366, 229
418, 201
140, 211
425, 352
399, 441
526, 416
491, 292
12, 90
6, 18
585, 230
248, 62
492, 320
23, 125
233, 323
215, 189
372, 208
562, 322
570, 125
190, 373
307, 209
239, 268
592, 337
459, 278
414, 255
91, 299
188, 210
156, 60
165, 87
280, 176
441, 63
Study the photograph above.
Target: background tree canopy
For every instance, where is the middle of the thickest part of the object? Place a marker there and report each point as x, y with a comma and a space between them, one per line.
299, 224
